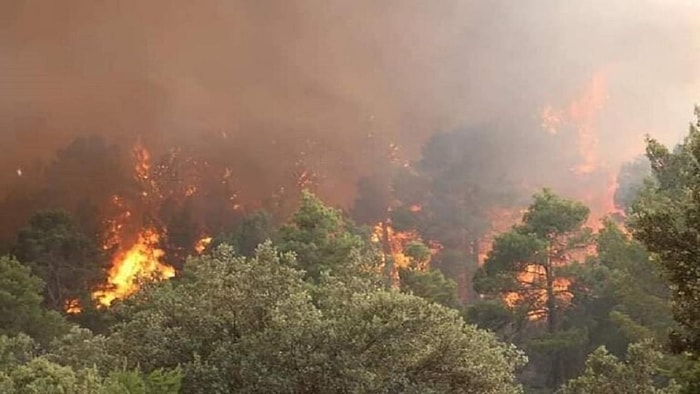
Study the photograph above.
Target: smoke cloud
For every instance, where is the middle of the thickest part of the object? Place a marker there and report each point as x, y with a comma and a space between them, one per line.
269, 88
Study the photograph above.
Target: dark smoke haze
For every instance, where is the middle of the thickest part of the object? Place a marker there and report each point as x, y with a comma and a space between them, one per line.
264, 87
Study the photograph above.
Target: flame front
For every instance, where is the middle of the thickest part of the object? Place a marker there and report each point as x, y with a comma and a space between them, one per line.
393, 244
202, 244
584, 114
140, 262
141, 258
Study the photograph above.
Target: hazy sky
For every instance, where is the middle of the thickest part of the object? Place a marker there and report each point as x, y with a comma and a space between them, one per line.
254, 80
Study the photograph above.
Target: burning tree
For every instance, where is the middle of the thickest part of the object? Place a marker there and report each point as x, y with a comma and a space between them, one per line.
447, 196
527, 266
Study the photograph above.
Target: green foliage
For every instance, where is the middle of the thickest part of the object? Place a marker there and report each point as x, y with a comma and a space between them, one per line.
41, 376
619, 296
250, 325
15, 351
552, 216
431, 285
666, 219
62, 256
685, 370
80, 349
255, 229
324, 241
605, 373
417, 252
455, 184
642, 309
133, 382
630, 180
490, 314
24, 368
551, 229
20, 304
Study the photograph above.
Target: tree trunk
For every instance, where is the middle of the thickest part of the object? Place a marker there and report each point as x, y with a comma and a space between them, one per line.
389, 255
552, 323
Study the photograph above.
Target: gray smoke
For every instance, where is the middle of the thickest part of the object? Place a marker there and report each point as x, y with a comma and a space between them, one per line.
263, 86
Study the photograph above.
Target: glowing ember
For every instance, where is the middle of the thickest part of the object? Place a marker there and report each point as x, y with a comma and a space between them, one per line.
140, 262
73, 307
143, 161
190, 190
202, 244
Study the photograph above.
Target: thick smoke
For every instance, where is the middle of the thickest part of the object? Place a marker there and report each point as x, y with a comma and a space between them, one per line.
272, 88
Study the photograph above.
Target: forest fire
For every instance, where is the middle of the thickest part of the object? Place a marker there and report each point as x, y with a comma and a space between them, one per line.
73, 307
202, 244
360, 196
583, 115
142, 261
533, 278
393, 245
501, 220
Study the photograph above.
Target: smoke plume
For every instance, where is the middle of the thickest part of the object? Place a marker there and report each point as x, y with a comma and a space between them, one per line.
274, 90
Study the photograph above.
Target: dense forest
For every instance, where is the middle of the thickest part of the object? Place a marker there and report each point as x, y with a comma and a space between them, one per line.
349, 196
326, 300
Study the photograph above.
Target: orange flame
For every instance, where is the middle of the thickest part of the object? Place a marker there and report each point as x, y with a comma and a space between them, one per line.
394, 244
73, 307
143, 161
202, 244
584, 114
140, 262
533, 278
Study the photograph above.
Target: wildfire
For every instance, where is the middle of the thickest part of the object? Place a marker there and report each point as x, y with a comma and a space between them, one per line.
583, 114
534, 277
202, 244
73, 307
140, 262
143, 161
394, 245
501, 220
142, 258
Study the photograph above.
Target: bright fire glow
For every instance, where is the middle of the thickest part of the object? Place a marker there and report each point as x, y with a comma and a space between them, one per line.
73, 307
143, 161
140, 262
142, 258
393, 246
202, 244
533, 279
583, 114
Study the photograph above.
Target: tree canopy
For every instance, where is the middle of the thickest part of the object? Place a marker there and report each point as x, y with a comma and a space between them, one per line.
666, 218
251, 325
